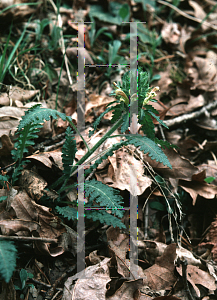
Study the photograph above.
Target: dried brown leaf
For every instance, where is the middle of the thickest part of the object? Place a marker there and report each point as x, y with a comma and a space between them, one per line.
10, 227
161, 274
198, 276
128, 290
195, 188
91, 283
7, 145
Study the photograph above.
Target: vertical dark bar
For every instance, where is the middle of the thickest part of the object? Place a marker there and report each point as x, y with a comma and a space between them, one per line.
81, 127
133, 130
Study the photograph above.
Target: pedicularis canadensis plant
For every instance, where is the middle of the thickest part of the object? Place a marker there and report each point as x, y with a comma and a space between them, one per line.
99, 195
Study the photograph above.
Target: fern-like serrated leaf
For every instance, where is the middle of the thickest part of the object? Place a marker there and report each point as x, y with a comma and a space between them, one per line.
17, 171
118, 112
96, 215
149, 108
165, 144
7, 259
39, 114
150, 147
29, 125
104, 218
104, 195
158, 119
25, 139
68, 212
148, 126
68, 152
125, 123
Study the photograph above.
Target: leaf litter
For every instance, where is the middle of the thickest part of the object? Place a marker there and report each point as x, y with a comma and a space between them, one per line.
185, 62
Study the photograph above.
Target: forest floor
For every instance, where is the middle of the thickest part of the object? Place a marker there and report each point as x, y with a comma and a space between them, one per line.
175, 253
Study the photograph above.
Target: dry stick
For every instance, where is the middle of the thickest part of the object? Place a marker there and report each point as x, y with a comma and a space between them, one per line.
191, 116
186, 15
43, 283
28, 239
49, 141
144, 60
184, 264
55, 146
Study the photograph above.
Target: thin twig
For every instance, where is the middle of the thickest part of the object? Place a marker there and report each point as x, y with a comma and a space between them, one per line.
28, 239
55, 146
43, 283
191, 116
186, 15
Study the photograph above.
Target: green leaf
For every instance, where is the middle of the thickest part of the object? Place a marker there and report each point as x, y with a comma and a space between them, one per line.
157, 205
158, 119
209, 179
98, 12
104, 196
7, 259
40, 114
23, 278
7, 62
28, 127
113, 56
118, 112
125, 123
145, 35
165, 144
68, 212
124, 12
3, 180
155, 77
104, 217
147, 125
160, 180
149, 146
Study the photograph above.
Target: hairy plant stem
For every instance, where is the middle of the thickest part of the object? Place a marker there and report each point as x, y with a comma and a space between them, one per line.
97, 145
75, 168
76, 130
